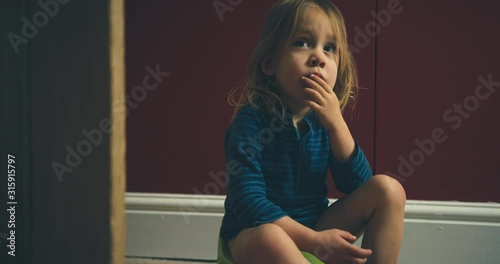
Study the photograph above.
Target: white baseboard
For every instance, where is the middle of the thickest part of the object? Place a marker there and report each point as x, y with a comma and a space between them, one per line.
181, 226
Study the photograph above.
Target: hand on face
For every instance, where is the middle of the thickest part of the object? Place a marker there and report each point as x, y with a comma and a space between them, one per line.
322, 100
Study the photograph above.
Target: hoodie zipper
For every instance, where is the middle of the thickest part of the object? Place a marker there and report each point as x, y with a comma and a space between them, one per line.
300, 143
298, 172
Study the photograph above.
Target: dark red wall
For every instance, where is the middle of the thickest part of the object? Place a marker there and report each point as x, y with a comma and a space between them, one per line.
424, 60
428, 59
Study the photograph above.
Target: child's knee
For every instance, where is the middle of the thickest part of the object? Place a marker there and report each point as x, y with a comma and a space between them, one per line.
268, 238
390, 189
252, 244
269, 234
267, 243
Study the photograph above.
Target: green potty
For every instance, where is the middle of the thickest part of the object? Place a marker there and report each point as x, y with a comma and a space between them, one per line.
311, 258
224, 256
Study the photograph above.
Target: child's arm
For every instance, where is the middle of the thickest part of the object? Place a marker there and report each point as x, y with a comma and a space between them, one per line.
341, 141
334, 245
348, 164
349, 175
246, 195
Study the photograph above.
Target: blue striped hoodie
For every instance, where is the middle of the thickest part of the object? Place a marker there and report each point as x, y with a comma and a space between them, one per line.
275, 172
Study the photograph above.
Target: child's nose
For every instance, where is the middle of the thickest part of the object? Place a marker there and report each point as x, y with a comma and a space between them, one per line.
316, 60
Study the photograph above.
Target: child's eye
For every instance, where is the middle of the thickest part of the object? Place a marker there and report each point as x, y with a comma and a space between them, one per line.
330, 48
302, 43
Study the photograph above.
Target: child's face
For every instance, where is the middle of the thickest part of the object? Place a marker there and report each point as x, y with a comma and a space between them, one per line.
313, 50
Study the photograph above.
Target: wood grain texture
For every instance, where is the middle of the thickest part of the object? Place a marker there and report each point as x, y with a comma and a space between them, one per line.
118, 136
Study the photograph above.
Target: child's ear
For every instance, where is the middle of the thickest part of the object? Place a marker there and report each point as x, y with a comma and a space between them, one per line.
267, 65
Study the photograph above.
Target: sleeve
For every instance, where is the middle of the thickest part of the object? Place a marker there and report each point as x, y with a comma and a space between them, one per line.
349, 175
246, 195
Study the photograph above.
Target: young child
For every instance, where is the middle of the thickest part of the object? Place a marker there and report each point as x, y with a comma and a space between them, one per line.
287, 131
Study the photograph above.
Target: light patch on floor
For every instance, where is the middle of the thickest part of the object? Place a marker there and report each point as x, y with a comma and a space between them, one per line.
162, 261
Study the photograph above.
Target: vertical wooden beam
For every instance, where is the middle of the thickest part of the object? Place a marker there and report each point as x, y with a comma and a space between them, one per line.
118, 136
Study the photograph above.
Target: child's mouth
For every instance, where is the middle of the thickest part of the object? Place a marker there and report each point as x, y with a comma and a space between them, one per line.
317, 74
310, 75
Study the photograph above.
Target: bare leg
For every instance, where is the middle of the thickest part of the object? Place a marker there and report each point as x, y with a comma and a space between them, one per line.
375, 208
267, 243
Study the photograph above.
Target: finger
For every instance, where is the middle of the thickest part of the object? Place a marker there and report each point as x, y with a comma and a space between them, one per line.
354, 260
351, 239
311, 81
323, 84
357, 251
315, 95
347, 236
315, 106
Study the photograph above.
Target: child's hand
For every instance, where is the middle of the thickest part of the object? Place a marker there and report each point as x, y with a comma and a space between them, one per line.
323, 100
334, 246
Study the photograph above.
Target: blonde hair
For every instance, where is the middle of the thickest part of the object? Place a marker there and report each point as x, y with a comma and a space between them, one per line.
282, 23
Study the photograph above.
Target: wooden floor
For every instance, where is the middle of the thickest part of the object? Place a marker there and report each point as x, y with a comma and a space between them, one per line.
162, 261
